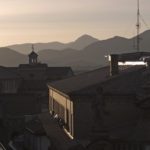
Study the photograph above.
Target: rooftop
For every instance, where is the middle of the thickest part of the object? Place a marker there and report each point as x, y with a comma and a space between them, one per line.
126, 83
81, 81
33, 54
28, 66
133, 56
89, 79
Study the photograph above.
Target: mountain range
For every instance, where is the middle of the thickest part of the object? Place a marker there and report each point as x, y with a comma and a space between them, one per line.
78, 44
84, 53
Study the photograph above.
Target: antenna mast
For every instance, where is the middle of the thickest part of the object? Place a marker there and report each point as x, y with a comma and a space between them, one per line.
138, 26
32, 47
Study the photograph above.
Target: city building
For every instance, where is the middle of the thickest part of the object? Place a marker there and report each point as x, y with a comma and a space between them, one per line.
24, 92
107, 107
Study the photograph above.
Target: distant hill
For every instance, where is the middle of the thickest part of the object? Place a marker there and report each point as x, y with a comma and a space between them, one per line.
145, 41
10, 57
78, 44
92, 56
82, 42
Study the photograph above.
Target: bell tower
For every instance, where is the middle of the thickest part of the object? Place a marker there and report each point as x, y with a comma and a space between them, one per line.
33, 57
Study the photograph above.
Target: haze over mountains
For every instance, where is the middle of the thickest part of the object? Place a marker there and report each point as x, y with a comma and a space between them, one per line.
78, 44
85, 52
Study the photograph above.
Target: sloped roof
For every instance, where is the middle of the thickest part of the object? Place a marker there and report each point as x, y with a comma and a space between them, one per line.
127, 83
81, 81
33, 54
97, 77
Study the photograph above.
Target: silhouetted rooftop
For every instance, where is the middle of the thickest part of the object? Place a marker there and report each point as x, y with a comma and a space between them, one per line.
132, 56
127, 83
95, 78
81, 81
33, 54
38, 65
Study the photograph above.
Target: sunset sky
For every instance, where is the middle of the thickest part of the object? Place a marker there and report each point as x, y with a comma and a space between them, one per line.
23, 21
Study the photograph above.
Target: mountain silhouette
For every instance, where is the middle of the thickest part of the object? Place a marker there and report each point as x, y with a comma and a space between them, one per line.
92, 56
82, 42
78, 44
10, 57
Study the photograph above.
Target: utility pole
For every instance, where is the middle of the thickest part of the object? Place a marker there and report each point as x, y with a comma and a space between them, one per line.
138, 26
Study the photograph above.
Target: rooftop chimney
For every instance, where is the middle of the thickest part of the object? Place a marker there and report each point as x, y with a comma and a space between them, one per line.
114, 69
147, 60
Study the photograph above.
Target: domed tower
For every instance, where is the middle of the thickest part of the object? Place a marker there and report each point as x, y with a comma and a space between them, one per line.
33, 57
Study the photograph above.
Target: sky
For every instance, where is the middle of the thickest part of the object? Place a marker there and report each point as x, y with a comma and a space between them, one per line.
30, 21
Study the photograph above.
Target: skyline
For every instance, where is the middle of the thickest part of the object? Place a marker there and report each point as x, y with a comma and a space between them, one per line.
48, 20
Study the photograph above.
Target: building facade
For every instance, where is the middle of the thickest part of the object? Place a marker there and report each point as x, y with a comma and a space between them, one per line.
107, 107
24, 92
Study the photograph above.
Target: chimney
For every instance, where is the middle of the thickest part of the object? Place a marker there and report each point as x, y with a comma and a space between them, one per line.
147, 60
114, 69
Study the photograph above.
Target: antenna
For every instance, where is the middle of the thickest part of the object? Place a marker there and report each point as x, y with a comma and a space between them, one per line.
32, 47
138, 26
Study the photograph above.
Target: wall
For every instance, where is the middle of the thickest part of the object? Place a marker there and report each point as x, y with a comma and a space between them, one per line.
65, 103
121, 109
83, 117
33, 73
9, 86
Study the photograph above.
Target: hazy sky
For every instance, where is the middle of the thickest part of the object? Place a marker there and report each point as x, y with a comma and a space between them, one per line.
24, 21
